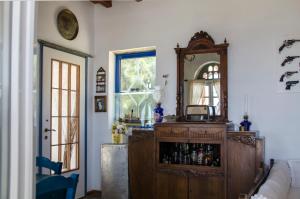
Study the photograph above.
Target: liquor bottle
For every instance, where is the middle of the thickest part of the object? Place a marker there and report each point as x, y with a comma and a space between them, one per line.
209, 155
186, 149
180, 154
194, 154
200, 155
176, 154
165, 159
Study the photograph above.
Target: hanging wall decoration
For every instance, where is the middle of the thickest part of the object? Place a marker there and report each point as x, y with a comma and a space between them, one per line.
101, 81
67, 24
100, 104
289, 72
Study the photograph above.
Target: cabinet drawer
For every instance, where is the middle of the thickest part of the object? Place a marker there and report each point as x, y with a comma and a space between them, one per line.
207, 133
172, 132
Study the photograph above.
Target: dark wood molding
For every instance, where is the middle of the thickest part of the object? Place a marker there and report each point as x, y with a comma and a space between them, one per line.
200, 43
64, 49
106, 4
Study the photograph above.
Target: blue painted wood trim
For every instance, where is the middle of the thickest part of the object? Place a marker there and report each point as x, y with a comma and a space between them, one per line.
85, 126
63, 49
119, 57
41, 103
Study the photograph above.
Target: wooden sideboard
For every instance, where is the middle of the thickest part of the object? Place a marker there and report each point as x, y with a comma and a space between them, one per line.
141, 164
237, 158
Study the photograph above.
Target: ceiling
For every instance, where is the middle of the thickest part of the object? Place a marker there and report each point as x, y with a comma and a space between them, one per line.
107, 3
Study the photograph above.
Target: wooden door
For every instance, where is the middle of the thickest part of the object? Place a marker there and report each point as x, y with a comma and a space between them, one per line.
206, 187
171, 186
63, 112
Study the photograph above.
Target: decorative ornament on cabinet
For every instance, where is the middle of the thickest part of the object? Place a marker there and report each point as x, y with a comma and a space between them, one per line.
245, 124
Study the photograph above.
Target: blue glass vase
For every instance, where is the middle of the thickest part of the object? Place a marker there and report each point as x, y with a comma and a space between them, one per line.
158, 113
245, 124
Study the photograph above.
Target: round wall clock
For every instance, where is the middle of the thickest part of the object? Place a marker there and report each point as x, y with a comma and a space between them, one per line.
67, 24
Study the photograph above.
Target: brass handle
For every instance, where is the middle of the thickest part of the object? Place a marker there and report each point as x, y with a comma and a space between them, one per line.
48, 130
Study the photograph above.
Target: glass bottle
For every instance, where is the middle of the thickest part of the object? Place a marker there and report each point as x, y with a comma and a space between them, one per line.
175, 154
194, 154
200, 155
180, 159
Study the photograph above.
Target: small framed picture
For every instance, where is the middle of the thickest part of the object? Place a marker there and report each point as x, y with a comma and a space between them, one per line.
100, 103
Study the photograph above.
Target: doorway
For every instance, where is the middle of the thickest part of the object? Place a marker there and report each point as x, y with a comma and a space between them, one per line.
62, 136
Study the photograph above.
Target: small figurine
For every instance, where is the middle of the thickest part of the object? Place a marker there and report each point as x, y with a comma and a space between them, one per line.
245, 125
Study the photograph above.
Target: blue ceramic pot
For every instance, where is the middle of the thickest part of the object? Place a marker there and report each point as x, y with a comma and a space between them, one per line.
158, 113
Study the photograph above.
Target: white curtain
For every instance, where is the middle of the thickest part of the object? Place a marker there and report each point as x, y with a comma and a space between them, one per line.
196, 88
216, 85
17, 138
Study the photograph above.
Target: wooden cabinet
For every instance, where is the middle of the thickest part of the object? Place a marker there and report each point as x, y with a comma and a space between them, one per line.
155, 176
204, 180
245, 156
211, 187
171, 186
141, 160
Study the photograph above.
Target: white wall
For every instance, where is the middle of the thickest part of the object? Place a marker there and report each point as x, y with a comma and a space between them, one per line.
254, 30
84, 42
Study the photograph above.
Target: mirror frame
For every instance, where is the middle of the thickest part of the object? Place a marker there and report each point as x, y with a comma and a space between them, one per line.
201, 43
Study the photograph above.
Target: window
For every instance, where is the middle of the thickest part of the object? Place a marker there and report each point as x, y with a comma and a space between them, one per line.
65, 92
135, 80
207, 86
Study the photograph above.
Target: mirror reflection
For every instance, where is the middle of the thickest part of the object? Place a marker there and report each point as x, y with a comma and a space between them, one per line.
202, 80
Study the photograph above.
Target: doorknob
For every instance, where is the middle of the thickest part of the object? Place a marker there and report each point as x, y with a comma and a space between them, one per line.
48, 130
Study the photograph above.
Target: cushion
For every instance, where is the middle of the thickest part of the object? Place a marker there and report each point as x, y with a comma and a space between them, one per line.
294, 193
295, 172
278, 183
258, 197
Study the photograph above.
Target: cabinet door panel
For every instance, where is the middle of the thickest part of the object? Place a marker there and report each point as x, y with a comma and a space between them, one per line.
206, 188
141, 153
240, 164
170, 186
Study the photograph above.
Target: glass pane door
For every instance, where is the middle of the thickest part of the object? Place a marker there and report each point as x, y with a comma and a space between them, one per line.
65, 94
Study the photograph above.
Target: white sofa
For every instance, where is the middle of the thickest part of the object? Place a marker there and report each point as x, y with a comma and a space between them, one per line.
283, 181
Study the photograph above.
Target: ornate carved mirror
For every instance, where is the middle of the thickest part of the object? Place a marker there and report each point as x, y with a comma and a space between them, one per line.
202, 75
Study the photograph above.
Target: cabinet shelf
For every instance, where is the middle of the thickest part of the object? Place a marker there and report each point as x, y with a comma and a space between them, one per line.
190, 154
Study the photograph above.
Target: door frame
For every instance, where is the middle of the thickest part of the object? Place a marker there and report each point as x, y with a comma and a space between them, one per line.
42, 44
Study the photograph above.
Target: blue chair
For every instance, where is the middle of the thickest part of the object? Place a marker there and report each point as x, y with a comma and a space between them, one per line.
57, 168
46, 163
72, 191
53, 187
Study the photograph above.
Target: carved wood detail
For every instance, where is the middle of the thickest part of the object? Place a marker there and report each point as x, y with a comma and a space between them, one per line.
191, 172
206, 133
137, 137
201, 40
180, 132
106, 3
245, 139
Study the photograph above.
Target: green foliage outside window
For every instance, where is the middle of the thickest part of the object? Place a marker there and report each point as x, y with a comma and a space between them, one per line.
136, 98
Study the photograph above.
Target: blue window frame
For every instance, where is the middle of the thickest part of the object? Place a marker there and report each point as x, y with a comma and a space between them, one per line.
134, 92
120, 57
